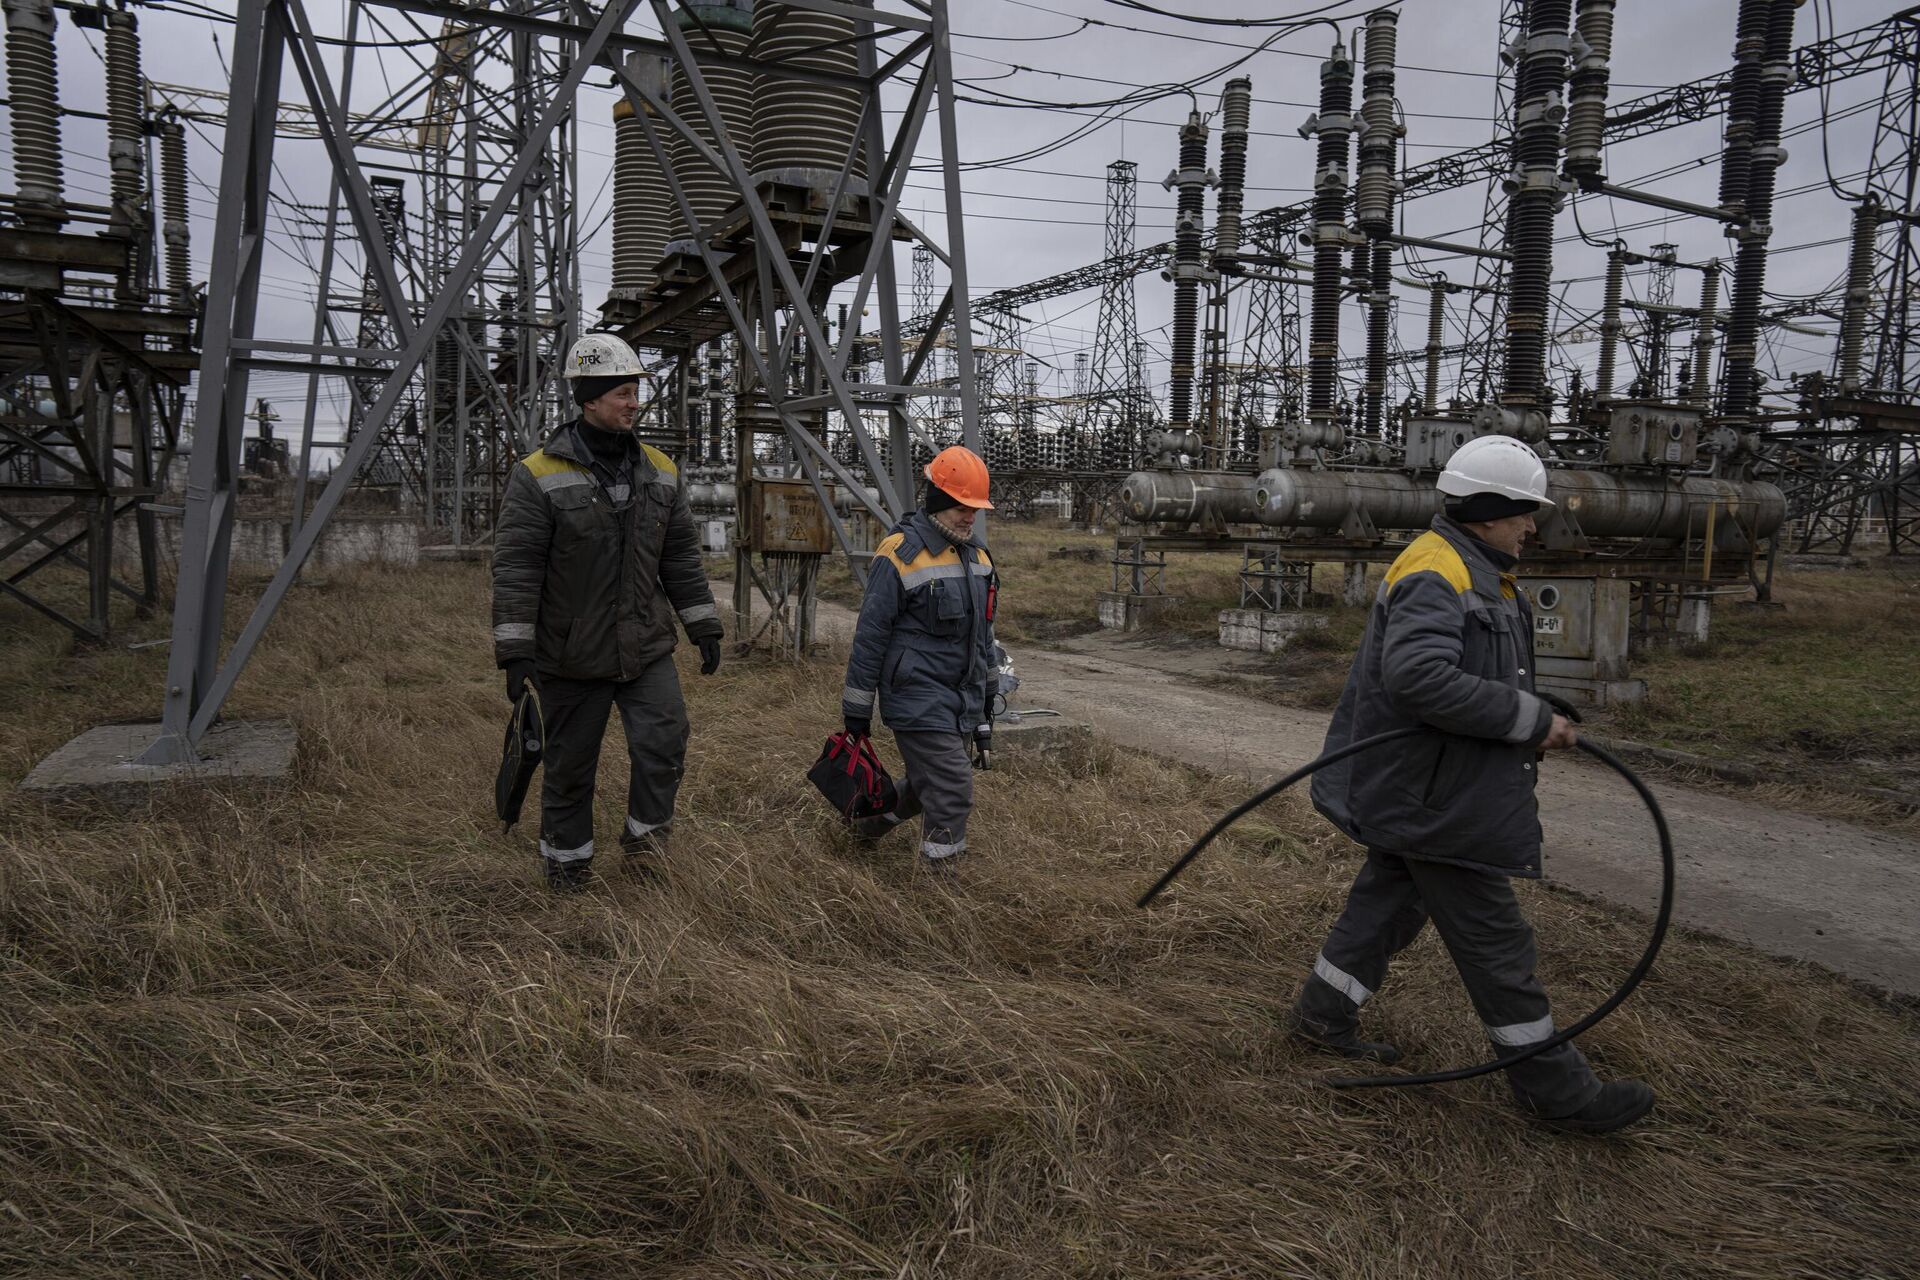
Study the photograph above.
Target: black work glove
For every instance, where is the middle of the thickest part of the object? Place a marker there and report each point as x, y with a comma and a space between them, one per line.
519, 676
709, 656
983, 746
860, 726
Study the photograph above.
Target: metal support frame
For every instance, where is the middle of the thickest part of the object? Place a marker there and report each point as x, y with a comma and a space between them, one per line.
93, 358
268, 34
768, 274
1272, 578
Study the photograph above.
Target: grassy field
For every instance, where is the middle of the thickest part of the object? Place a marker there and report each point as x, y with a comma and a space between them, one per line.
1829, 679
337, 1029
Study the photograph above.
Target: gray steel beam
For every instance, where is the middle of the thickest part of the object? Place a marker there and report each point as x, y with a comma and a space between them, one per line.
191, 707
232, 295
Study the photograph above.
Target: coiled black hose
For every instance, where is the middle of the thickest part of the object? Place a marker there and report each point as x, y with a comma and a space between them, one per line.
1633, 979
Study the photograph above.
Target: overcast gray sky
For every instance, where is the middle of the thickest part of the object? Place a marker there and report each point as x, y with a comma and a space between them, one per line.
1044, 216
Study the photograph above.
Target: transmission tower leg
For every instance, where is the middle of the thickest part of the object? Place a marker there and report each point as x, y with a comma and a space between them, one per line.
233, 290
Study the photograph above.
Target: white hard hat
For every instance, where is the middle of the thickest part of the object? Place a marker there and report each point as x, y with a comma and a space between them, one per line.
1496, 464
602, 355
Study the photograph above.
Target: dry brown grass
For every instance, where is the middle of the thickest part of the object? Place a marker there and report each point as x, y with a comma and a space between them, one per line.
338, 1030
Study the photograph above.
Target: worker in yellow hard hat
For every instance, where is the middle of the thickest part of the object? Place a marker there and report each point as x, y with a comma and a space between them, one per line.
924, 652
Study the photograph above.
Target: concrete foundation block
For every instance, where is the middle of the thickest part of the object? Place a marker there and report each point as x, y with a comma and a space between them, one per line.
1593, 693
1691, 625
449, 554
104, 762
1124, 611
1023, 738
1354, 588
1263, 631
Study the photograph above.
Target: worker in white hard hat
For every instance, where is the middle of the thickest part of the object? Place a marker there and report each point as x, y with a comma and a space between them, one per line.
595, 555
1448, 817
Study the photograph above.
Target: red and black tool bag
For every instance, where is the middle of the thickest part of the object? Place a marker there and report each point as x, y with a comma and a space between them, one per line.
853, 780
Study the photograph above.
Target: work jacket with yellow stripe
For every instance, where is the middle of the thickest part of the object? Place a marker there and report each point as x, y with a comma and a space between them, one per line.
1449, 645
924, 644
589, 572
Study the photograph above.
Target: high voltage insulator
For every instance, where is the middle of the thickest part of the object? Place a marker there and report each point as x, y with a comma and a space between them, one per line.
1534, 187
709, 191
1853, 315
1700, 388
1236, 105
1587, 87
1610, 324
1743, 101
33, 80
1191, 180
640, 200
803, 129
1775, 19
173, 211
124, 151
1373, 188
1332, 125
1373, 206
1436, 318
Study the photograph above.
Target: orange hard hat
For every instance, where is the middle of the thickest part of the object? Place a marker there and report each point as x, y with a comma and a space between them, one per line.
958, 472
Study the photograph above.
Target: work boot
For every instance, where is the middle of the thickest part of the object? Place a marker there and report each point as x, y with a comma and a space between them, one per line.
650, 846
941, 867
1345, 1043
568, 877
871, 829
1618, 1104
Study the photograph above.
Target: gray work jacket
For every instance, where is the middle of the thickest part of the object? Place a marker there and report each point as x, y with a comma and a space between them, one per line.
585, 589
1449, 646
924, 644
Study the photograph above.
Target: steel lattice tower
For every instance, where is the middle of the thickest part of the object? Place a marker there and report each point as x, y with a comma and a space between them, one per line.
397, 464
1269, 385
1893, 339
1118, 382
1486, 326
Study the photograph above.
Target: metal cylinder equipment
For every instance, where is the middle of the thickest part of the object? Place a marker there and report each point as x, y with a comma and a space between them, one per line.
1603, 504
1181, 497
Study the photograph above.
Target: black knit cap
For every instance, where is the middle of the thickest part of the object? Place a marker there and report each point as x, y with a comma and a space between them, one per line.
939, 499
1478, 508
585, 389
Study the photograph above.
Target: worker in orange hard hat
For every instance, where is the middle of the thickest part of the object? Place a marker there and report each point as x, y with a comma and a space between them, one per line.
924, 652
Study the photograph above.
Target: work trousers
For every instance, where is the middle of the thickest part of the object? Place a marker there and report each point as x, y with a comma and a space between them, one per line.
1492, 946
938, 790
654, 716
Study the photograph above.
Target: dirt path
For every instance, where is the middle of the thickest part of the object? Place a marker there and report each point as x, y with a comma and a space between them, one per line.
1810, 888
